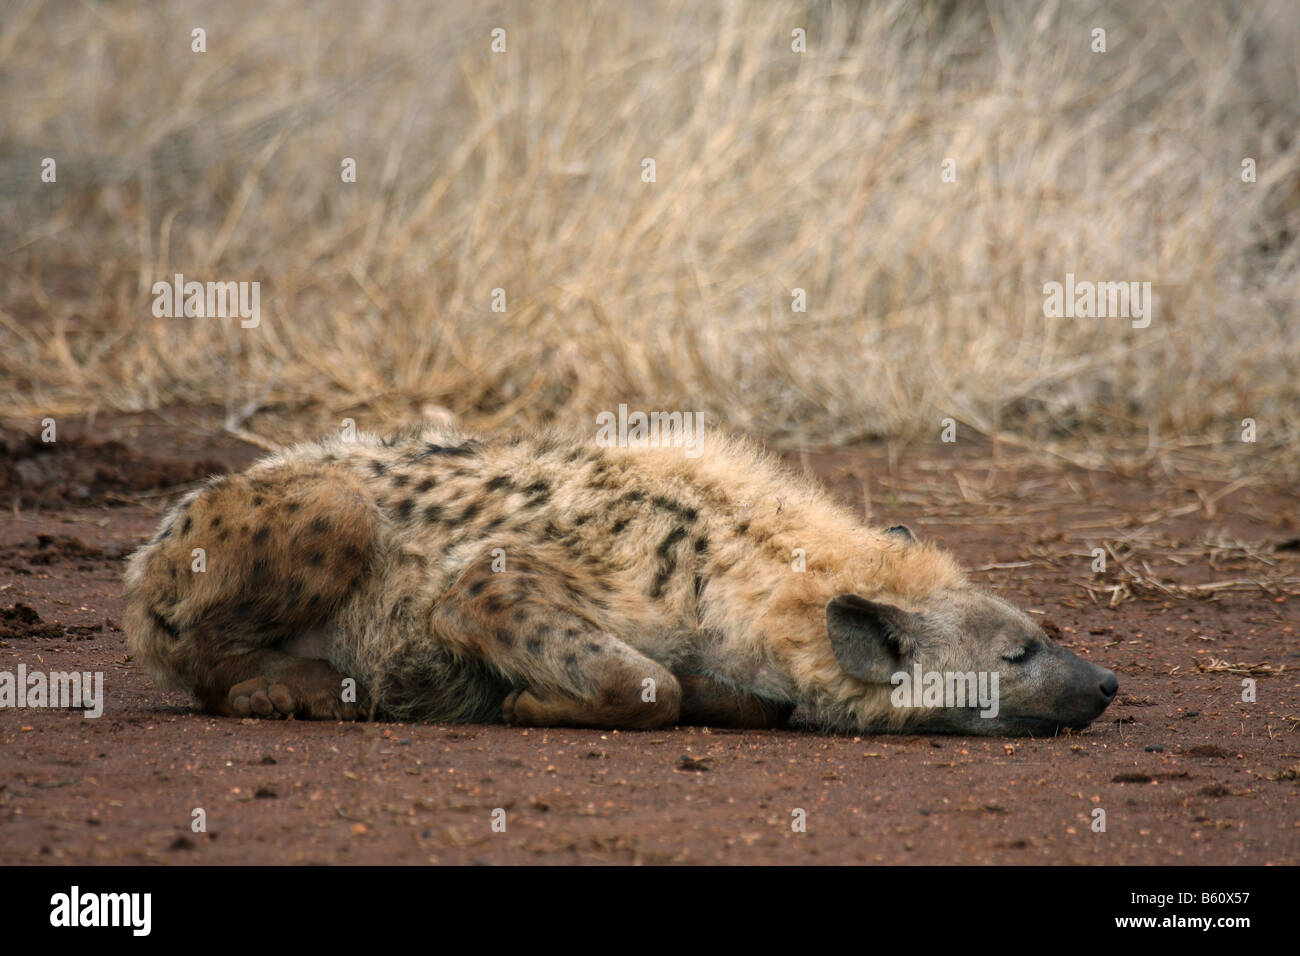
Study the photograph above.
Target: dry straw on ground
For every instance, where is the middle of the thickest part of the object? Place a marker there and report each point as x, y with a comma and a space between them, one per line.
775, 171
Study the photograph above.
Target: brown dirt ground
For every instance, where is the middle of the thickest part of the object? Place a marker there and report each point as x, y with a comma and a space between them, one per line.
1186, 772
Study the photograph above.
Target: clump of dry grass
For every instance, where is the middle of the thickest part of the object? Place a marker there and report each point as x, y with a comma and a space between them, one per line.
775, 171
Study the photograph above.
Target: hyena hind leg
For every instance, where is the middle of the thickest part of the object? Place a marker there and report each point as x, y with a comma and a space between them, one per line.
280, 550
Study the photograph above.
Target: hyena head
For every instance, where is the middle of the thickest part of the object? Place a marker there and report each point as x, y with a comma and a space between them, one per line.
968, 663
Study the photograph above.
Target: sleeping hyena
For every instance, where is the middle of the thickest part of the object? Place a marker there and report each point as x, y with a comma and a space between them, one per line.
545, 581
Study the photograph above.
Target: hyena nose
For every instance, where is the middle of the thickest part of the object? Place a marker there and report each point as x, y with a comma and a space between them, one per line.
1109, 686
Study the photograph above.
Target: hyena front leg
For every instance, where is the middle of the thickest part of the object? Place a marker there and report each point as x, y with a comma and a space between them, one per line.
621, 689
707, 703
527, 623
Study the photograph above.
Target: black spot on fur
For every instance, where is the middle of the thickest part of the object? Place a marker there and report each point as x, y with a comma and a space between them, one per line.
667, 504
667, 561
251, 616
633, 496
505, 639
378, 467
470, 513
424, 485
261, 534
620, 524
404, 509
450, 451
538, 488
216, 521
400, 480
476, 587
292, 506
499, 482
665, 546
167, 626
320, 526
433, 514
186, 525
534, 644
316, 558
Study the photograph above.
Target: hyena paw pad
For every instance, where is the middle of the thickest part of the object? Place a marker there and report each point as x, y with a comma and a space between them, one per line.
258, 697
261, 697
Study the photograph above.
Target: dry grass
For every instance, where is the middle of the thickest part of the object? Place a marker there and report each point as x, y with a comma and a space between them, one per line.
775, 171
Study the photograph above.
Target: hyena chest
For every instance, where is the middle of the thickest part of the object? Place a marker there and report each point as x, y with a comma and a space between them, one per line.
739, 658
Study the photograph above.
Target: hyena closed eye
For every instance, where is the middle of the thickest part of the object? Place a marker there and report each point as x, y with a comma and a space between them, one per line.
543, 581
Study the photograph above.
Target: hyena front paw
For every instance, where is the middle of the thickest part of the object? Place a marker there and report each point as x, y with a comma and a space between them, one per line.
508, 706
262, 697
522, 709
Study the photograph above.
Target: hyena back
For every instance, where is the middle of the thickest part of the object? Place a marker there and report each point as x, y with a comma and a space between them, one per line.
544, 581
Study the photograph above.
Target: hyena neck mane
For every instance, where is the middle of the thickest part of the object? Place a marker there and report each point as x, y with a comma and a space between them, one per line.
870, 564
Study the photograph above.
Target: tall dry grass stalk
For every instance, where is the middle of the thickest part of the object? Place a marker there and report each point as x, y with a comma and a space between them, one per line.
775, 170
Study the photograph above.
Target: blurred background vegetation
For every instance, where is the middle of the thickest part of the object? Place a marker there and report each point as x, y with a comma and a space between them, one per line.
775, 171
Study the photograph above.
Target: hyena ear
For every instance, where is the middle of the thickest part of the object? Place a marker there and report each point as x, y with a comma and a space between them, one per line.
901, 531
870, 640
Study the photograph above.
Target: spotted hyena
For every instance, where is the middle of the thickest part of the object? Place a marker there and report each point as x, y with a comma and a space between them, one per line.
545, 581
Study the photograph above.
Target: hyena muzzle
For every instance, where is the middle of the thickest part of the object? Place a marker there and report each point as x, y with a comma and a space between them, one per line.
543, 581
